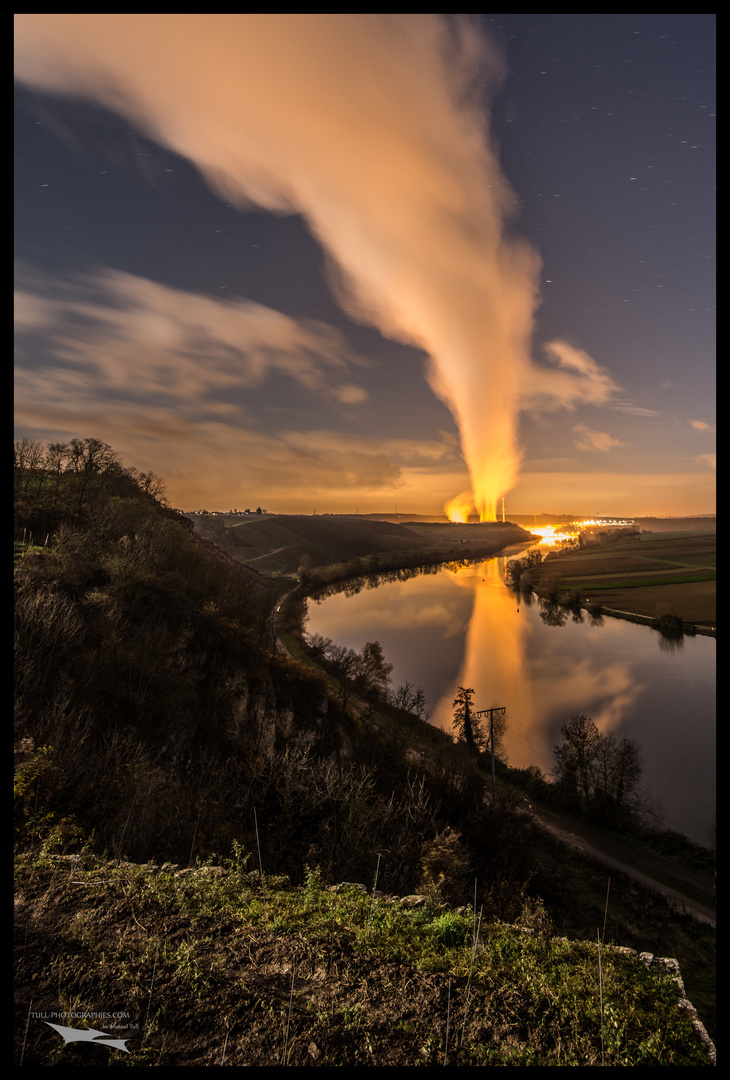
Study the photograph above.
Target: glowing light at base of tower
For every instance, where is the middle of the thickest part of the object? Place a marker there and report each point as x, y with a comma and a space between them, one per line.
462, 507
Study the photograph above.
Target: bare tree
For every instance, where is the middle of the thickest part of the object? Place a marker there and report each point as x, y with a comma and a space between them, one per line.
372, 670
598, 773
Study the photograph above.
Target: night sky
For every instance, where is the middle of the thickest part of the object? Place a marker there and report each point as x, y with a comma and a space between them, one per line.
372, 262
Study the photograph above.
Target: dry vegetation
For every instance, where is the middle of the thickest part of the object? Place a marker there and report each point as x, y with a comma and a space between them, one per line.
220, 966
156, 720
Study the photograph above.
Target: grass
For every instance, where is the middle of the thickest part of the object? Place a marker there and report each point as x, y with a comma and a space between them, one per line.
331, 976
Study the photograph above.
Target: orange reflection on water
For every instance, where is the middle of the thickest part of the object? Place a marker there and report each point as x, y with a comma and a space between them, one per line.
494, 660
537, 688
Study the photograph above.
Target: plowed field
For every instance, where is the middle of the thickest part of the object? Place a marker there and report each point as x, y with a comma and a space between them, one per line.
650, 575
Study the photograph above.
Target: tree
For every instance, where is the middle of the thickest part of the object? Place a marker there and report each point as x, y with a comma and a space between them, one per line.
619, 772
466, 724
372, 670
150, 483
91, 461
574, 759
597, 773
410, 699
366, 672
517, 567
28, 455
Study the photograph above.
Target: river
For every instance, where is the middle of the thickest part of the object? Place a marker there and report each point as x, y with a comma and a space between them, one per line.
463, 627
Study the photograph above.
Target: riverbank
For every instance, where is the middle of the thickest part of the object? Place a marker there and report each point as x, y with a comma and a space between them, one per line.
690, 890
645, 620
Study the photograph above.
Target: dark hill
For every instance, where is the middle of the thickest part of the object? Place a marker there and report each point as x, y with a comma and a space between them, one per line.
157, 721
280, 542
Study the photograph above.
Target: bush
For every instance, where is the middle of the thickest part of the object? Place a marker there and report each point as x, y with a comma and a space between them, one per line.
670, 625
445, 868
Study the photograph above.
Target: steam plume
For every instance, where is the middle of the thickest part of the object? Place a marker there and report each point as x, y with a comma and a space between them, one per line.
372, 126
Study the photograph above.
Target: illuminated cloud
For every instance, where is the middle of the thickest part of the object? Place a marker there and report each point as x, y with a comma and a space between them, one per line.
594, 440
700, 425
710, 460
632, 409
349, 394
374, 128
136, 338
167, 375
574, 379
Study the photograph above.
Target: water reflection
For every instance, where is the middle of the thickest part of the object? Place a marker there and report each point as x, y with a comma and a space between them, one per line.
461, 626
670, 642
553, 614
511, 662
422, 624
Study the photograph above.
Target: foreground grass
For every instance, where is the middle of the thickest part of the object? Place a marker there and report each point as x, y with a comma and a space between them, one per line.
215, 966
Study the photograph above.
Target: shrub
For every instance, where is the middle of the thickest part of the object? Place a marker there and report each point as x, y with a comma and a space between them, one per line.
445, 868
670, 625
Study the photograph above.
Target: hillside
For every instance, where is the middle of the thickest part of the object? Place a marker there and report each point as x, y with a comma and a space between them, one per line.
284, 543
157, 721
219, 965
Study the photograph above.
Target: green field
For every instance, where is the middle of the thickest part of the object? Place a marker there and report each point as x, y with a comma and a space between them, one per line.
647, 575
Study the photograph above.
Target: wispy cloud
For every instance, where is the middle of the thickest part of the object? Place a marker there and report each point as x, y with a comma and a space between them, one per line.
632, 409
573, 378
158, 373
215, 458
144, 341
594, 440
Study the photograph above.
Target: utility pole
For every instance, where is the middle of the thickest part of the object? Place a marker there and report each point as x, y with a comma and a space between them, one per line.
491, 713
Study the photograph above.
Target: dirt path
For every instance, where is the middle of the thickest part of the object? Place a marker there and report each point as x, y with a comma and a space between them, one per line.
637, 865
267, 553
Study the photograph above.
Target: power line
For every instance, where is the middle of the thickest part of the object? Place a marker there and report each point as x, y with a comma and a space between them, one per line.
633, 804
483, 712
